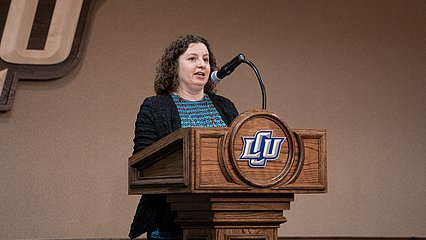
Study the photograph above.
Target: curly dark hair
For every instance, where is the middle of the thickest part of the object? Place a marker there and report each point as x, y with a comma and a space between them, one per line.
166, 79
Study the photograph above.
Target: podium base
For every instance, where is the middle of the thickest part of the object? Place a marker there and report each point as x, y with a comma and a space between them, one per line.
230, 216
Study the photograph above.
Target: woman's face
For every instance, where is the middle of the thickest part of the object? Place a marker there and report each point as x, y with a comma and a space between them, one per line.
193, 68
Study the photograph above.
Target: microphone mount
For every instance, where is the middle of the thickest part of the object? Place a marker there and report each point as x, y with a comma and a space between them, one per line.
229, 68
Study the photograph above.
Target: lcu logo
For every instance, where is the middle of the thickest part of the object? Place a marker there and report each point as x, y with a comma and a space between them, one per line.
39, 40
261, 148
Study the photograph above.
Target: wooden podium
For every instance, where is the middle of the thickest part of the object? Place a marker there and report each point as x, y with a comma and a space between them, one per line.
234, 182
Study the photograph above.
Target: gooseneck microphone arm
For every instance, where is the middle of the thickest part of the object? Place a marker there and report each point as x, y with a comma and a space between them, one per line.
229, 67
259, 79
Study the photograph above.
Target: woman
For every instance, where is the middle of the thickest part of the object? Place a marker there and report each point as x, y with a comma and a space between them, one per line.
185, 97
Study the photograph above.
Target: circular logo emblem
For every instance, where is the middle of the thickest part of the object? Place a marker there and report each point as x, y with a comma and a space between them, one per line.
261, 148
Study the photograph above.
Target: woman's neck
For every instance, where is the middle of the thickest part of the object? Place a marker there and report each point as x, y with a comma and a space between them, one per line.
191, 96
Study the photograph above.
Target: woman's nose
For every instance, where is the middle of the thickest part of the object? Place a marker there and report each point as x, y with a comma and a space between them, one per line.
201, 63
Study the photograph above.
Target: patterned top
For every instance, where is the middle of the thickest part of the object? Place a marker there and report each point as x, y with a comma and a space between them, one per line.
200, 113
169, 235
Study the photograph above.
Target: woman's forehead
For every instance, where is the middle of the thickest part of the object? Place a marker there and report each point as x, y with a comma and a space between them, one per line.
197, 47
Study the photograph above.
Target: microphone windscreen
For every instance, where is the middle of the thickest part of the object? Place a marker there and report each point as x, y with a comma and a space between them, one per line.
215, 79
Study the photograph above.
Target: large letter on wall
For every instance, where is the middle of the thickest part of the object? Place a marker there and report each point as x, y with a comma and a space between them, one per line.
66, 28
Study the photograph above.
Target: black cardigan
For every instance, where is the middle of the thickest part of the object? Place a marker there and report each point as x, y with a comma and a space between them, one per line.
158, 116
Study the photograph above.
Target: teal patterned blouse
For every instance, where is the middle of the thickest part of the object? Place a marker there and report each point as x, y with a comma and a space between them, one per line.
200, 113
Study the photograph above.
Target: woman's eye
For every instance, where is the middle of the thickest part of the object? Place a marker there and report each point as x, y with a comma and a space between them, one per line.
206, 60
192, 58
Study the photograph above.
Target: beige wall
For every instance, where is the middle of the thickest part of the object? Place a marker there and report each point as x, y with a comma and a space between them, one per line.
355, 68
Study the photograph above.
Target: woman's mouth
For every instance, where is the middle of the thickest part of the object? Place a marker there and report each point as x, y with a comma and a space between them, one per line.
200, 74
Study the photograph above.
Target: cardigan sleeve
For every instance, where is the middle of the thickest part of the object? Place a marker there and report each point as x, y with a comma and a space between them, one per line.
156, 118
145, 129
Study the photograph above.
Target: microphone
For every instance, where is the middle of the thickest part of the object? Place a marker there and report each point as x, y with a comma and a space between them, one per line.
228, 68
